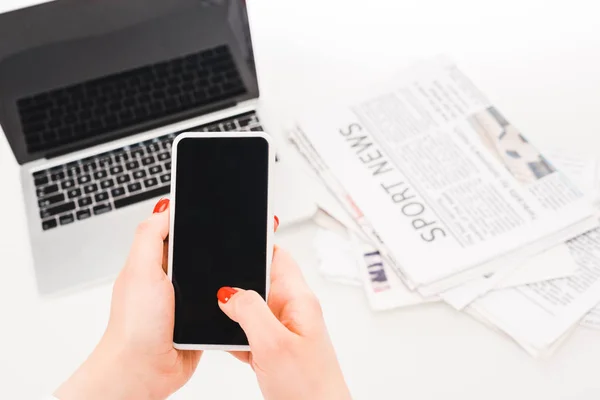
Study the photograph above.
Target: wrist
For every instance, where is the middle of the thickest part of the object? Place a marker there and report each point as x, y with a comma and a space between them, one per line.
106, 374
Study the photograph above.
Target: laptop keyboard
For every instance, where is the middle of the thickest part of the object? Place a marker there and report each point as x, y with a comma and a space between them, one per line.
100, 184
127, 99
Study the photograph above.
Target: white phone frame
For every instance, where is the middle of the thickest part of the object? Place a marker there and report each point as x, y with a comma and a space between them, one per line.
270, 218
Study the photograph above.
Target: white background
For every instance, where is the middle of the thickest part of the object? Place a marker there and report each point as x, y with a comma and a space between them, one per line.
538, 60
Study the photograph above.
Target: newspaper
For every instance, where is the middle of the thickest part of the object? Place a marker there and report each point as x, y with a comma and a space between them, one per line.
345, 258
538, 315
585, 173
533, 351
552, 264
592, 319
354, 217
383, 287
454, 190
340, 262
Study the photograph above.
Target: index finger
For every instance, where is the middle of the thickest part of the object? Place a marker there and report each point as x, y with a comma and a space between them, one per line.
285, 270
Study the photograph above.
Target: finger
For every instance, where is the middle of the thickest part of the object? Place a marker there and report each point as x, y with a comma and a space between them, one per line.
147, 250
247, 308
284, 268
291, 299
243, 356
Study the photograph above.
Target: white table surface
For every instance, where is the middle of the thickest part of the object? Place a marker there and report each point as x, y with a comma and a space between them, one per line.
538, 60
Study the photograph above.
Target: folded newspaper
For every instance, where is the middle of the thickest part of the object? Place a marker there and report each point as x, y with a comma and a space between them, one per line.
347, 259
552, 290
441, 186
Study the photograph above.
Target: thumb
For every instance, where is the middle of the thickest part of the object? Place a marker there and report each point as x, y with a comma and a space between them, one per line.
249, 309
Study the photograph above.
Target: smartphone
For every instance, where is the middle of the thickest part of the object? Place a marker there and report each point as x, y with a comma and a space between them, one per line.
221, 231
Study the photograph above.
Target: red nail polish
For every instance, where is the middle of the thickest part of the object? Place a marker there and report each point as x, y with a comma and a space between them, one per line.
276, 221
225, 293
161, 206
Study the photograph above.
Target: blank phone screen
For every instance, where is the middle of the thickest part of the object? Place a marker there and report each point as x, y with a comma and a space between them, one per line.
219, 233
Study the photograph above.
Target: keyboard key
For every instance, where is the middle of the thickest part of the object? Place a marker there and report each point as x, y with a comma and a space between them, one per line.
104, 162
137, 153
84, 202
107, 183
123, 179
166, 178
121, 157
139, 174
156, 169
37, 174
151, 182
73, 172
148, 160
153, 147
164, 156
42, 180
116, 192
134, 187
47, 190
54, 199
63, 208
57, 176
49, 224
229, 126
100, 174
256, 129
90, 188
74, 193
69, 183
101, 197
83, 214
82, 180
168, 166
132, 165
166, 145
101, 209
244, 121
117, 169
90, 167
66, 219
125, 201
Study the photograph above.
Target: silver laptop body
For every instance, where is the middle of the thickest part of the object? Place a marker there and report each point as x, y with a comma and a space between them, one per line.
91, 100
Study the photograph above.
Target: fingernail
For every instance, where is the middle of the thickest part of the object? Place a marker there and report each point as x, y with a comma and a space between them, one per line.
276, 222
161, 206
225, 293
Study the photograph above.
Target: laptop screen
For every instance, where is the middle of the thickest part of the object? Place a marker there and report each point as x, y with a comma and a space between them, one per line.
75, 73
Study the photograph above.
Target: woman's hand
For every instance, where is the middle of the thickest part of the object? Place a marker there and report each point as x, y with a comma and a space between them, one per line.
135, 358
291, 353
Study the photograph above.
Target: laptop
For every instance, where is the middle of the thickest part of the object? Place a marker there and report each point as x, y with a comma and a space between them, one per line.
92, 94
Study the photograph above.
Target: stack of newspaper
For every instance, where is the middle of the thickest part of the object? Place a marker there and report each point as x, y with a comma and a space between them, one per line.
444, 199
